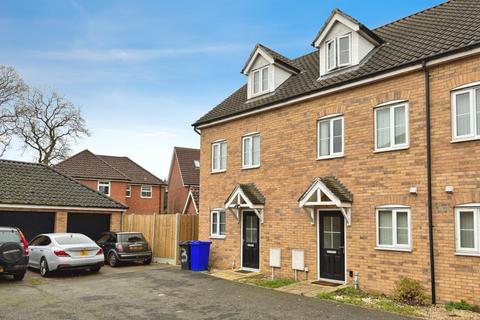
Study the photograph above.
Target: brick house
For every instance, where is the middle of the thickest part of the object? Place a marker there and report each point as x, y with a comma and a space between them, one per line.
119, 178
183, 181
39, 199
356, 160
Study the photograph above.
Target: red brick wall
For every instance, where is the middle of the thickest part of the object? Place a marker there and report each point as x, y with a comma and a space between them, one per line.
177, 193
117, 188
138, 205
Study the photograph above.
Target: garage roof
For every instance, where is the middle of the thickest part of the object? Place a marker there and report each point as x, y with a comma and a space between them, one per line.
24, 183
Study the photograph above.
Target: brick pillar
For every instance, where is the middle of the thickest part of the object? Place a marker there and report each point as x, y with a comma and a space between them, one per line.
115, 221
61, 221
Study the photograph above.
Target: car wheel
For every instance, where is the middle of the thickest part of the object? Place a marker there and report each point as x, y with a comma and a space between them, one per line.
18, 276
147, 261
112, 260
95, 269
44, 272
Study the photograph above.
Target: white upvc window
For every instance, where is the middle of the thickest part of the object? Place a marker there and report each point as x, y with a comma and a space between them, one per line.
391, 127
128, 191
251, 151
145, 191
466, 230
217, 223
330, 135
393, 228
466, 114
104, 187
339, 52
219, 156
260, 82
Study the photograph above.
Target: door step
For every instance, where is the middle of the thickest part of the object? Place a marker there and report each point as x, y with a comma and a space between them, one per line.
326, 283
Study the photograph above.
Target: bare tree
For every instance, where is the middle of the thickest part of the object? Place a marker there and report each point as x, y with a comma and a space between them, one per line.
48, 124
11, 89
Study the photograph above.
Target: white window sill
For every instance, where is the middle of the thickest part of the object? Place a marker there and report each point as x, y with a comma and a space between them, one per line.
391, 149
145, 197
456, 140
331, 157
218, 171
468, 254
217, 237
252, 167
394, 249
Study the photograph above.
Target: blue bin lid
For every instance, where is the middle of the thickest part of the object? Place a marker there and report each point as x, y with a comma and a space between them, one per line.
199, 243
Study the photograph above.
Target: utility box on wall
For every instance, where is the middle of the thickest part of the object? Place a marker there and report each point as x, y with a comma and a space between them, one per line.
298, 259
275, 257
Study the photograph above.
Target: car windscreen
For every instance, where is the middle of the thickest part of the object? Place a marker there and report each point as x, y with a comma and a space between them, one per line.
9, 236
73, 239
131, 237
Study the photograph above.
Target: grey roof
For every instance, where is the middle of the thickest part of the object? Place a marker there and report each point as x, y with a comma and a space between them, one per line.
24, 183
335, 186
251, 192
444, 29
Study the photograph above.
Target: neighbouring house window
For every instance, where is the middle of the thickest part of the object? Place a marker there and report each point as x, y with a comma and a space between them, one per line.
393, 228
219, 156
339, 53
146, 192
251, 151
466, 230
466, 114
391, 127
260, 81
104, 187
128, 191
196, 163
330, 137
217, 223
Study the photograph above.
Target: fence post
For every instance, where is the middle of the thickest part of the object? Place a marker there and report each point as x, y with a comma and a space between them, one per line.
154, 232
177, 235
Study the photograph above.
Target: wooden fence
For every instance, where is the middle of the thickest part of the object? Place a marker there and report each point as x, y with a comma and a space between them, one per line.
163, 232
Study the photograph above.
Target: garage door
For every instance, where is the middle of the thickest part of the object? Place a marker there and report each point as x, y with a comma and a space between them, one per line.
31, 223
91, 225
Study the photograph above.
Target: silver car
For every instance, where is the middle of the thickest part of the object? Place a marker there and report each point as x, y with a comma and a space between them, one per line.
64, 251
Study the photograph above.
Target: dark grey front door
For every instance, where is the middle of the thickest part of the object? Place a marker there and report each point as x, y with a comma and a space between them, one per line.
251, 241
332, 253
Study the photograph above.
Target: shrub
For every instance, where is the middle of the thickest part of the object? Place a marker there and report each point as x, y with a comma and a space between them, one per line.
410, 291
462, 305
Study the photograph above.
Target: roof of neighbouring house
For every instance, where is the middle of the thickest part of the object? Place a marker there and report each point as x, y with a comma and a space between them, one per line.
448, 28
186, 158
195, 191
24, 183
89, 165
135, 172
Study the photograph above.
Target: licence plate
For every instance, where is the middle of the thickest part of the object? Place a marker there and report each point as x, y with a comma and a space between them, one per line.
136, 248
84, 253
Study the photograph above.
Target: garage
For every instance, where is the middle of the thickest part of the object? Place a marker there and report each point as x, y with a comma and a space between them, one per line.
31, 223
91, 225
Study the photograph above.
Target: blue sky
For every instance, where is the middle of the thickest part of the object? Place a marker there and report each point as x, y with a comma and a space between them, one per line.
143, 71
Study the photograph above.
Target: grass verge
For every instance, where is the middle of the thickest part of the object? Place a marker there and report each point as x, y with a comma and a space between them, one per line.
272, 284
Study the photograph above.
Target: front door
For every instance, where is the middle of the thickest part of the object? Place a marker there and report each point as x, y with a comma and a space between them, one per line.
332, 245
251, 241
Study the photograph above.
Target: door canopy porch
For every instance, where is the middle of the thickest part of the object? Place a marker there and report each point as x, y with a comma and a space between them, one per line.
327, 192
245, 196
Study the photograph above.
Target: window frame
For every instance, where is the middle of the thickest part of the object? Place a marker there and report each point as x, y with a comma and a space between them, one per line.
394, 246
260, 81
332, 154
250, 137
218, 235
467, 251
336, 52
218, 144
128, 191
392, 106
473, 135
104, 183
327, 60
141, 191
349, 36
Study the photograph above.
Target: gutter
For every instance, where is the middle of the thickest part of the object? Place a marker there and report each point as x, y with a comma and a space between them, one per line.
429, 180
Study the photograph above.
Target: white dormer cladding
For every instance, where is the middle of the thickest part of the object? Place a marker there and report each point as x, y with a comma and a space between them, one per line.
265, 73
343, 42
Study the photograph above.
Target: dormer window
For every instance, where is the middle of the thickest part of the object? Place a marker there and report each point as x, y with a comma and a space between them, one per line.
338, 52
260, 81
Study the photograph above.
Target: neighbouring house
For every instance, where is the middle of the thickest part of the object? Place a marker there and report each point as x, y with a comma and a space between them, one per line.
119, 178
39, 199
358, 158
183, 181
